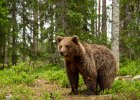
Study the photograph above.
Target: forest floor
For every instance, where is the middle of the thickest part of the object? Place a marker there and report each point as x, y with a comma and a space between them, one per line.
49, 82
42, 85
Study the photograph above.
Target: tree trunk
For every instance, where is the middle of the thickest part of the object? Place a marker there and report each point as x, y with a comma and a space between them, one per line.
61, 17
115, 28
96, 21
42, 21
51, 48
35, 30
14, 56
104, 20
14, 48
6, 54
99, 17
24, 32
64, 21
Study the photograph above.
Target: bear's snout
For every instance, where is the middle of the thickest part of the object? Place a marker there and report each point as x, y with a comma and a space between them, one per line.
62, 53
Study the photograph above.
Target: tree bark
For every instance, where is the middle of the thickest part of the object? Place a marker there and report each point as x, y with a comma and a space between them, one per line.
14, 48
104, 20
96, 21
24, 32
115, 28
99, 18
6, 54
35, 29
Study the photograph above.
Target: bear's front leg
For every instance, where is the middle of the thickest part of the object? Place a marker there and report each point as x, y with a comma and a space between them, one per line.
73, 79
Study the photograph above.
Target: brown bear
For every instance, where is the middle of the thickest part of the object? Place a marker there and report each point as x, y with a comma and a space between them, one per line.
96, 63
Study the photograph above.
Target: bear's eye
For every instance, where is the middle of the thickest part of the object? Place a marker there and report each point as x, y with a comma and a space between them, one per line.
67, 46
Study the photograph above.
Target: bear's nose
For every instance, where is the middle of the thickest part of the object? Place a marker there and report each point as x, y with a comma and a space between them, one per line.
61, 53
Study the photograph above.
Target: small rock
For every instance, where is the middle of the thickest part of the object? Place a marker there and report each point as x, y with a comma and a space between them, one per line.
123, 78
136, 77
110, 96
128, 76
119, 78
9, 97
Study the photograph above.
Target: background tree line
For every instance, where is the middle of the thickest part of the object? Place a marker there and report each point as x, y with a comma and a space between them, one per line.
28, 27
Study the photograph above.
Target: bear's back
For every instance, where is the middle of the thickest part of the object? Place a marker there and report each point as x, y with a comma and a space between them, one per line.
102, 55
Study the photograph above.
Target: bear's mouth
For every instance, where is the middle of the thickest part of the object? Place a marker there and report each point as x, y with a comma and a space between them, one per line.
64, 55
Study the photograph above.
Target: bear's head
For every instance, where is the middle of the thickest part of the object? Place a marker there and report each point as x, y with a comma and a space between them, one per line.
68, 46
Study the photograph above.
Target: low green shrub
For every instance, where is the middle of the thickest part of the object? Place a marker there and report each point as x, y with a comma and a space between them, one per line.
130, 68
16, 75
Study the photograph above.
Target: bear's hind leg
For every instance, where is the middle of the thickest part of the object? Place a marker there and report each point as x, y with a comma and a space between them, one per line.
105, 82
91, 85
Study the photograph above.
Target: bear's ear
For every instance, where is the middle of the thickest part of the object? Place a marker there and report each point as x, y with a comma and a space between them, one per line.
75, 39
59, 38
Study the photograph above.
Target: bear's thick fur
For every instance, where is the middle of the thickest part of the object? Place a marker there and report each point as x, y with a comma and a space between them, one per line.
96, 63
